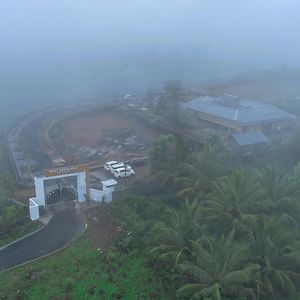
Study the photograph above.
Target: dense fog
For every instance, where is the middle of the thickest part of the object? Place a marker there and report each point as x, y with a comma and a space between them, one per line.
70, 50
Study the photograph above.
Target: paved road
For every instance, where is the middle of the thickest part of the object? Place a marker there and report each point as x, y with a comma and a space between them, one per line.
63, 227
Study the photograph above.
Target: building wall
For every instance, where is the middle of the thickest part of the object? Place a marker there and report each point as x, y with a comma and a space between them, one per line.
269, 126
216, 120
240, 150
256, 127
264, 127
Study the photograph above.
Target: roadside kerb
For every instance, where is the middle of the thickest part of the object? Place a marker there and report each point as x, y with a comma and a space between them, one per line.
76, 237
22, 238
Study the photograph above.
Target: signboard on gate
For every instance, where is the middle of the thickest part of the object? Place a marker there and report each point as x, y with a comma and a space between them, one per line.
67, 170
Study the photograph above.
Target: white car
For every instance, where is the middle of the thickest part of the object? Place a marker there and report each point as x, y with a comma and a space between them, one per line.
116, 166
109, 164
124, 172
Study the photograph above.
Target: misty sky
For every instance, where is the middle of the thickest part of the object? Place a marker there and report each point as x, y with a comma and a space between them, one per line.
62, 50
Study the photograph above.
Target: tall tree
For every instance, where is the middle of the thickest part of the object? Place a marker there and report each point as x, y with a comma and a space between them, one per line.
274, 181
172, 89
235, 202
218, 268
173, 237
278, 255
198, 172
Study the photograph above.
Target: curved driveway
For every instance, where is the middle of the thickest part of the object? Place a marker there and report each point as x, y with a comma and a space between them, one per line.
62, 228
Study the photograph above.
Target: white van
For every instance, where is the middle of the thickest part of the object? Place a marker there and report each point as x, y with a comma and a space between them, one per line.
109, 164
123, 172
116, 166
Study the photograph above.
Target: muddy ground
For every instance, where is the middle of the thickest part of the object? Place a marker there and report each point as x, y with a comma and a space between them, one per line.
105, 135
103, 230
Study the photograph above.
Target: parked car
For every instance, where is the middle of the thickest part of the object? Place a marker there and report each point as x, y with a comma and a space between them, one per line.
124, 172
109, 164
117, 166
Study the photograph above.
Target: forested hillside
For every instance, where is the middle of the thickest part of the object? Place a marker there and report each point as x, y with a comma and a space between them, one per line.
14, 218
222, 232
214, 229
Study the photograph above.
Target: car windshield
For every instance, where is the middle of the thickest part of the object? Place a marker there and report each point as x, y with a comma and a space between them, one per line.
117, 166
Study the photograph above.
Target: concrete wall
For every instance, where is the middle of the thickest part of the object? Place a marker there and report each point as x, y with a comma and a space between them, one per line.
81, 186
39, 191
33, 209
98, 195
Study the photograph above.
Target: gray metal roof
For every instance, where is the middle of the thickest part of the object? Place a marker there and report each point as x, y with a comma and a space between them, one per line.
241, 111
109, 182
250, 138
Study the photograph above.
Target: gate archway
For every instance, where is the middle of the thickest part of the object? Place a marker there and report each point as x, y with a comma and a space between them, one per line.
81, 172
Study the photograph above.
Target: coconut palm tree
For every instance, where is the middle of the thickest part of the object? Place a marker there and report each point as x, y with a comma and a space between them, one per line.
281, 191
277, 187
218, 268
198, 172
274, 248
173, 237
234, 202
274, 181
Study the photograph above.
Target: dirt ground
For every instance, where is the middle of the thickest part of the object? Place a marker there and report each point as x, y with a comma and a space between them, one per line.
105, 135
92, 129
102, 228
22, 194
265, 90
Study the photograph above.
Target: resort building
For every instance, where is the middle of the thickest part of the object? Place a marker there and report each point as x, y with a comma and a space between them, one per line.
240, 115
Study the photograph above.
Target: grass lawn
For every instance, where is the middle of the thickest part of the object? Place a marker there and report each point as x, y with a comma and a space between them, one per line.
82, 272
20, 232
